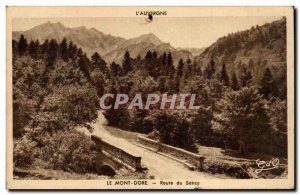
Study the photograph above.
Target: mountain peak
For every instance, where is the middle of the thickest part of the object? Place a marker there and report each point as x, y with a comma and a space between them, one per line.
79, 28
57, 25
151, 35
94, 29
149, 38
96, 32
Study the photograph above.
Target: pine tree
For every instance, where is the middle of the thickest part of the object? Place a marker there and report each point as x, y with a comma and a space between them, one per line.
96, 58
84, 63
32, 49
234, 82
115, 70
98, 62
14, 46
63, 50
181, 136
180, 68
111, 114
210, 69
141, 124
38, 48
98, 80
201, 125
196, 69
116, 117
189, 66
45, 46
52, 52
176, 84
224, 75
163, 68
148, 61
126, 63
278, 115
162, 84
170, 65
268, 86
72, 50
164, 59
148, 56
171, 84
243, 115
245, 78
173, 128
154, 55
22, 45
163, 122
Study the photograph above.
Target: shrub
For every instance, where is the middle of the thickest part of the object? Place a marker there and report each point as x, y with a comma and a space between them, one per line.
24, 152
201, 125
140, 123
243, 115
69, 151
117, 117
173, 128
65, 108
154, 135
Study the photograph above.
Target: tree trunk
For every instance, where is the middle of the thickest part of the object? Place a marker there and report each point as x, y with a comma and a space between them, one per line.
242, 147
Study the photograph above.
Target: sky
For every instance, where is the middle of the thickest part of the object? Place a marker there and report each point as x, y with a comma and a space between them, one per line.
186, 32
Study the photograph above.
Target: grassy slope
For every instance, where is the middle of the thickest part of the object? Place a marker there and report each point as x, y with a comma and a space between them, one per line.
233, 164
36, 173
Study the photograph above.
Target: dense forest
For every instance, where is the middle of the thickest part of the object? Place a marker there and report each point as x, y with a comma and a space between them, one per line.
56, 88
53, 93
256, 48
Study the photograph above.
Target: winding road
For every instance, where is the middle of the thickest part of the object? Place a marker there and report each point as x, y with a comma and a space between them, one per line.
159, 166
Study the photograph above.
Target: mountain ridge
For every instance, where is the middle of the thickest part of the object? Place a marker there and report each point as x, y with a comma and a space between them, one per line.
256, 48
91, 40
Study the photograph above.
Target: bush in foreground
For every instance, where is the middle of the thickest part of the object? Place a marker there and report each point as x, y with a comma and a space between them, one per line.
23, 154
69, 151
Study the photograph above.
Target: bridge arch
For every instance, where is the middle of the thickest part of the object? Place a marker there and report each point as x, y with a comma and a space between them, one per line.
107, 170
111, 158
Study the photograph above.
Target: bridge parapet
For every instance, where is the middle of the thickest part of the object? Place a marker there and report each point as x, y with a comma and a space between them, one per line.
116, 154
195, 160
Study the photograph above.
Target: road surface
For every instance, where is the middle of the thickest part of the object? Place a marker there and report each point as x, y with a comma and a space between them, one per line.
158, 166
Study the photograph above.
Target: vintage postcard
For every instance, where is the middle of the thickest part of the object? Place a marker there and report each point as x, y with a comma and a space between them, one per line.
150, 98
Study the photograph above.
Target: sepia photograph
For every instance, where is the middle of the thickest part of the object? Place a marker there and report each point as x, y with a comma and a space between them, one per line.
150, 98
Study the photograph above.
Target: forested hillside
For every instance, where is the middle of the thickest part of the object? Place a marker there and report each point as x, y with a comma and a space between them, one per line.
56, 88
257, 48
193, 51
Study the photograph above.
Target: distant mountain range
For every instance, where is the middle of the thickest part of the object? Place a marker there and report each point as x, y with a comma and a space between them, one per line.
256, 48
111, 48
193, 51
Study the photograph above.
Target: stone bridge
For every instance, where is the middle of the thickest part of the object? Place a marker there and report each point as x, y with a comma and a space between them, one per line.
111, 158
190, 160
